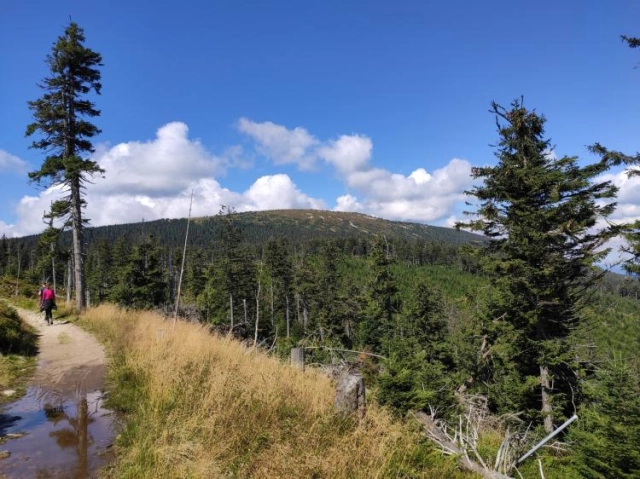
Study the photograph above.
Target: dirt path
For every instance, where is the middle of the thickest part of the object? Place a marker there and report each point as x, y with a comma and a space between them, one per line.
59, 428
70, 359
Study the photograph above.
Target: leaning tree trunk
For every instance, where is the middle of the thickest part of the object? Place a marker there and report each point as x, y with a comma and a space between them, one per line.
78, 244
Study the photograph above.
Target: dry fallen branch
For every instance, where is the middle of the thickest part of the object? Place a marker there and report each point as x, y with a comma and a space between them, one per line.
459, 441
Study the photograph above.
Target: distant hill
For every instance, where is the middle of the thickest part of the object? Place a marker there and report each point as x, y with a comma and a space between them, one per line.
295, 225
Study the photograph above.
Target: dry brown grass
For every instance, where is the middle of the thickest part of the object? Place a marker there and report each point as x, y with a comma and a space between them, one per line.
199, 405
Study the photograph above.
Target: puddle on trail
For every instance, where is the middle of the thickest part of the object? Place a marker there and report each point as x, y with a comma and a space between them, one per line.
55, 436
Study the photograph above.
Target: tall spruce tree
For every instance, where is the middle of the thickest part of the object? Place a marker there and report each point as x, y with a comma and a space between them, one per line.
64, 133
280, 268
378, 326
541, 215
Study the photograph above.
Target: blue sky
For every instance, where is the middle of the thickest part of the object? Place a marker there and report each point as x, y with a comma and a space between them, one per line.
370, 106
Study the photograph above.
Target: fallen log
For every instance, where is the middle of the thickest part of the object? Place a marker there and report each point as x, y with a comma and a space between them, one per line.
450, 447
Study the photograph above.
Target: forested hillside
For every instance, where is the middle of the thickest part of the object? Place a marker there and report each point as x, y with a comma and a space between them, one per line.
285, 279
478, 342
297, 226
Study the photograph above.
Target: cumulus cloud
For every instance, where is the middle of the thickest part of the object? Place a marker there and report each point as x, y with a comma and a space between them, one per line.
281, 144
628, 197
277, 192
348, 203
12, 163
30, 211
154, 179
420, 196
161, 167
348, 153
148, 180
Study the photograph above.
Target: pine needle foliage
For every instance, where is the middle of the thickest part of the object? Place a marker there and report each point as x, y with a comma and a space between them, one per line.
65, 133
542, 216
607, 439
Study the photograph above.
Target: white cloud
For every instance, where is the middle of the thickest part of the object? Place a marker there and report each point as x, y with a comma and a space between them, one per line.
420, 176
277, 192
628, 197
9, 162
418, 197
348, 153
348, 203
30, 211
451, 221
421, 196
153, 179
280, 144
162, 167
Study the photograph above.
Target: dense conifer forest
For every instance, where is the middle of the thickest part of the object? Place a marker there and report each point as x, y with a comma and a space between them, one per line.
413, 294
519, 327
410, 293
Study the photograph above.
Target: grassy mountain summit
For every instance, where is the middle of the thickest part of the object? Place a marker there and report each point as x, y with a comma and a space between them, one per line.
315, 224
296, 225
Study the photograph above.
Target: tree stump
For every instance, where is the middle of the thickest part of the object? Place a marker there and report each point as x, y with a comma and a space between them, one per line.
350, 393
297, 357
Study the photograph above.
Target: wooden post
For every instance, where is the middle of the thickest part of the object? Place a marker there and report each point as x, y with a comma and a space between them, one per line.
297, 357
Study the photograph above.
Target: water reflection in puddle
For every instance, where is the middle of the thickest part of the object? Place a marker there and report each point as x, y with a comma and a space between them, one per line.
55, 437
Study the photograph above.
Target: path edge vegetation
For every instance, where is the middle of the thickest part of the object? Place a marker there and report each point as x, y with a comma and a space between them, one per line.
18, 349
197, 404
174, 423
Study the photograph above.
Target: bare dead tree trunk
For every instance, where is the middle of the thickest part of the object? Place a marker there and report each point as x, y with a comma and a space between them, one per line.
171, 281
231, 311
286, 298
53, 266
255, 337
184, 256
305, 315
272, 306
18, 277
547, 411
69, 274
78, 244
244, 305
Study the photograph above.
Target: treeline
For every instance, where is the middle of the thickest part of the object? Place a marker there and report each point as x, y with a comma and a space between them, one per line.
514, 330
415, 303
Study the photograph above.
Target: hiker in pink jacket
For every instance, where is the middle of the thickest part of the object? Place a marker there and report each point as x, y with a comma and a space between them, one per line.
48, 303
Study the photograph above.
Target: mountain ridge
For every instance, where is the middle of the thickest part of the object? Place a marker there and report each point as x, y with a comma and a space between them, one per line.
295, 224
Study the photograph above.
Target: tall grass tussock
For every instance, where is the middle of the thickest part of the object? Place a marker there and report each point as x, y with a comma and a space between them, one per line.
18, 347
200, 405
